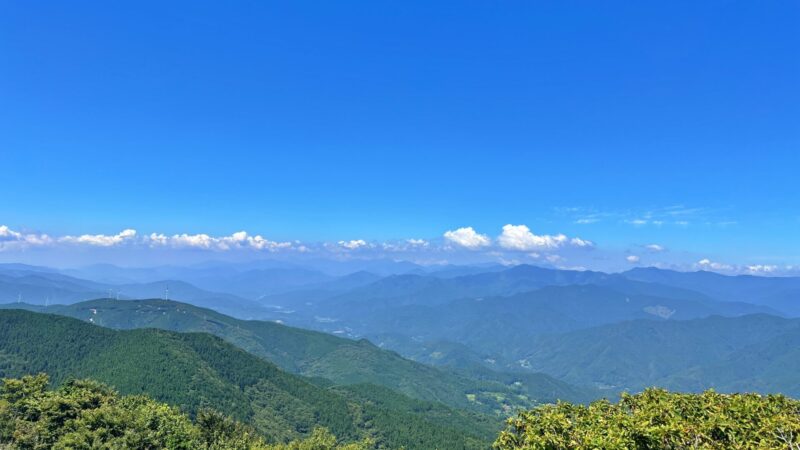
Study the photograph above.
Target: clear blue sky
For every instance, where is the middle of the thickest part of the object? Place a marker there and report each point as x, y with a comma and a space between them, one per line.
387, 120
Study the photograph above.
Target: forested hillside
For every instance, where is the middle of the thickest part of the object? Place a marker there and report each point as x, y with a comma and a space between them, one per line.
196, 370
748, 353
343, 361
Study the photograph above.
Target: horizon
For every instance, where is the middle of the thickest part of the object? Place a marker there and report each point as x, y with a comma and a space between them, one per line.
329, 267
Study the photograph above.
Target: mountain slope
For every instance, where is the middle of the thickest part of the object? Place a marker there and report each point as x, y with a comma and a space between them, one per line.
780, 293
188, 370
503, 328
316, 354
742, 353
195, 370
40, 287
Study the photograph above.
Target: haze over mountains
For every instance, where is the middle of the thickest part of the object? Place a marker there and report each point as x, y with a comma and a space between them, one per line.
597, 333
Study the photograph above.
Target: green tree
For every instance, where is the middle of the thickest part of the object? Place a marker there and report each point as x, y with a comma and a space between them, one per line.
321, 439
657, 419
86, 415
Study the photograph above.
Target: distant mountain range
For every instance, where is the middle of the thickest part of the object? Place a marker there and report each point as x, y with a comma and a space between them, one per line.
748, 353
485, 327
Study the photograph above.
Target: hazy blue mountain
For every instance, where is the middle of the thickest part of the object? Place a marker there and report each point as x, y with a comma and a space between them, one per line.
429, 289
18, 269
112, 274
246, 280
258, 283
42, 287
50, 288
347, 282
452, 270
780, 293
471, 282
503, 327
307, 296
753, 352
379, 266
253, 280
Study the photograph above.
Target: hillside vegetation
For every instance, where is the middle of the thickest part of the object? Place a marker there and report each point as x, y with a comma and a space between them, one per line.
341, 360
84, 414
196, 370
658, 419
749, 353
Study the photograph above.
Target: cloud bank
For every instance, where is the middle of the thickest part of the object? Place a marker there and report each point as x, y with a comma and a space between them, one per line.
514, 244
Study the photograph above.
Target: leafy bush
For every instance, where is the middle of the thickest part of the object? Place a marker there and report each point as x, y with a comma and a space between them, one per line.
657, 419
84, 415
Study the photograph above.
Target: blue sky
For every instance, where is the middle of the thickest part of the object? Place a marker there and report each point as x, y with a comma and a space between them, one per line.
622, 123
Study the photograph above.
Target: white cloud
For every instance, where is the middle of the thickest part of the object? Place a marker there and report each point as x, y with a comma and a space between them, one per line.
10, 239
405, 245
9, 234
158, 239
578, 242
417, 242
520, 238
707, 264
101, 240
184, 240
259, 243
467, 237
633, 259
238, 240
762, 268
655, 248
354, 244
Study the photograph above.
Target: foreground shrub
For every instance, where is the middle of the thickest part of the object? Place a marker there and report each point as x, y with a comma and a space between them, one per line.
84, 415
657, 419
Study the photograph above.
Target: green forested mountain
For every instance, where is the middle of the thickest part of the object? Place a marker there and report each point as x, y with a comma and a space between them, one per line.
198, 370
755, 352
502, 329
343, 361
